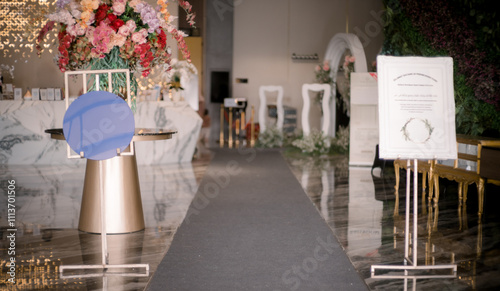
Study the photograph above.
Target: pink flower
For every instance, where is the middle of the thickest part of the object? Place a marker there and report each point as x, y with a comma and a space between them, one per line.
90, 34
75, 30
116, 40
190, 19
326, 67
128, 28
352, 59
118, 7
90, 29
181, 43
102, 37
140, 36
318, 68
133, 3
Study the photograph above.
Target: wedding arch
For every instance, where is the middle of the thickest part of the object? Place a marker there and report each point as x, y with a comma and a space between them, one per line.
334, 52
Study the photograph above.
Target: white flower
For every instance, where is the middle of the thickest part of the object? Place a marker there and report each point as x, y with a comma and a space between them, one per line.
62, 16
182, 69
314, 143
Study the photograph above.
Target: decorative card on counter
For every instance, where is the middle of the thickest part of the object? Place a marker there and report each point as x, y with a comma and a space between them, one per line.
43, 94
57, 94
35, 93
416, 108
50, 94
18, 93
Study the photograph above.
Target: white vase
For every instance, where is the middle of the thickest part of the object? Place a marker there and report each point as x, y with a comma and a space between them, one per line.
175, 95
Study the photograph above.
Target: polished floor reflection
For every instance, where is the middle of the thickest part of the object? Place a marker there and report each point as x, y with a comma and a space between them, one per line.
47, 203
360, 208
369, 222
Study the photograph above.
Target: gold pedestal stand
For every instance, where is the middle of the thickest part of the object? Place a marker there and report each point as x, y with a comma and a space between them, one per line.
121, 187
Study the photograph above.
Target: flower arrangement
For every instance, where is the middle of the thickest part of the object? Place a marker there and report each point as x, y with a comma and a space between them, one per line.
127, 33
316, 143
323, 76
178, 70
348, 66
272, 137
323, 73
340, 143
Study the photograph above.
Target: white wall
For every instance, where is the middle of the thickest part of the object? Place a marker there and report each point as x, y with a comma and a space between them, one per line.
266, 33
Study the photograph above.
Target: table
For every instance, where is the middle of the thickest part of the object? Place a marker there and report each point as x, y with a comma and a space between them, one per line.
121, 187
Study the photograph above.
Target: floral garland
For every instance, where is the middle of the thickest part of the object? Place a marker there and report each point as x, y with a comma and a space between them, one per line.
94, 29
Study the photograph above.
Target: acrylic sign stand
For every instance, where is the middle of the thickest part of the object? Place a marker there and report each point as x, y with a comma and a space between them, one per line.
100, 125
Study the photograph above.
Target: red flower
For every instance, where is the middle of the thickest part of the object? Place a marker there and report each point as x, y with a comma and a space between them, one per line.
146, 59
145, 73
67, 40
63, 62
101, 13
117, 23
162, 39
61, 35
111, 17
146, 56
62, 50
142, 49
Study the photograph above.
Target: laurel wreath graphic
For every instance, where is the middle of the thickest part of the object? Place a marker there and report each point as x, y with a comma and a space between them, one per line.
407, 135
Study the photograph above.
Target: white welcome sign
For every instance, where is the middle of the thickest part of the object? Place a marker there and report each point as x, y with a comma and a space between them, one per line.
416, 108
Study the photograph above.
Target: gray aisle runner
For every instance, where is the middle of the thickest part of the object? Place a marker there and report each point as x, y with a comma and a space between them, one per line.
252, 227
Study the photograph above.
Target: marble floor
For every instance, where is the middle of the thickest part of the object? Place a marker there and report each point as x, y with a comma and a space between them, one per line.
360, 208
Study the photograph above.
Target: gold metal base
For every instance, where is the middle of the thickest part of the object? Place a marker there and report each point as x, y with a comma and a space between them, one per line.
123, 196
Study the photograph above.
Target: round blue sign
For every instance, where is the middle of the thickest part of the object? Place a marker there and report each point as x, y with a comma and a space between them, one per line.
97, 124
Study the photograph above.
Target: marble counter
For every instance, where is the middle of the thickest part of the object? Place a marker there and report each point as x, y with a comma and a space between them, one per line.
24, 142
